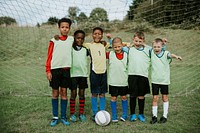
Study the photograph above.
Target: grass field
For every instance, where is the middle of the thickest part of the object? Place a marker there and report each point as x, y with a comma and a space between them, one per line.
25, 96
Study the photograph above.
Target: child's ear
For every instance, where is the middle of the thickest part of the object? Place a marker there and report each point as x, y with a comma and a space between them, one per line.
56, 37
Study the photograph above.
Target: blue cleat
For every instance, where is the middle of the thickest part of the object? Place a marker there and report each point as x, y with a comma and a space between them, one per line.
82, 117
141, 117
54, 122
123, 117
133, 117
114, 118
64, 121
73, 118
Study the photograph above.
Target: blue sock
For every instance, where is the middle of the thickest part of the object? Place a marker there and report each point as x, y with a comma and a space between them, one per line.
94, 105
54, 107
125, 107
113, 105
63, 104
102, 103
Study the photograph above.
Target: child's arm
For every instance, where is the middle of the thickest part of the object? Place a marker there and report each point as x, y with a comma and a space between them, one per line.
48, 61
176, 56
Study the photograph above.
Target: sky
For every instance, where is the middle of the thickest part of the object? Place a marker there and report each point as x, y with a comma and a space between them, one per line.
31, 12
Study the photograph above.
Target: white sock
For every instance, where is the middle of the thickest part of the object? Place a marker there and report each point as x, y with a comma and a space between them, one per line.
155, 110
165, 108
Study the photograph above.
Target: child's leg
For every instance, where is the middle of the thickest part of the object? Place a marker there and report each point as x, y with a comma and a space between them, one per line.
141, 101
94, 104
165, 105
124, 108
102, 102
113, 105
132, 104
81, 100
73, 101
54, 101
63, 103
155, 105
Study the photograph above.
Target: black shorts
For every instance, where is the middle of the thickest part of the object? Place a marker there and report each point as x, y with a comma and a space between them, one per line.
60, 78
98, 83
163, 89
78, 82
118, 90
138, 85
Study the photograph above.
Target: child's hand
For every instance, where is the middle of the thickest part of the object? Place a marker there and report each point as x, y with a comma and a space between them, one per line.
109, 36
104, 43
164, 41
179, 58
56, 37
49, 76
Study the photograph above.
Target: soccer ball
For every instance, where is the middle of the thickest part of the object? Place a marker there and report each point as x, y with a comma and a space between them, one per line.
102, 118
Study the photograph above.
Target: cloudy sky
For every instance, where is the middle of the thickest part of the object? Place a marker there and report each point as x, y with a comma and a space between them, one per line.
31, 12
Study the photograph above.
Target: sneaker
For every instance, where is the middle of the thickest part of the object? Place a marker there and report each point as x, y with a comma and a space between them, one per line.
64, 121
123, 117
141, 117
114, 118
73, 118
153, 120
93, 118
53, 122
163, 119
133, 117
82, 117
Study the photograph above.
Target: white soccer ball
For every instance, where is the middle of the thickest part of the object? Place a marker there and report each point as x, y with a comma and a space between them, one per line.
102, 118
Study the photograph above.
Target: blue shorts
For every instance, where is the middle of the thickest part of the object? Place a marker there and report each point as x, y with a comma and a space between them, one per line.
60, 78
98, 83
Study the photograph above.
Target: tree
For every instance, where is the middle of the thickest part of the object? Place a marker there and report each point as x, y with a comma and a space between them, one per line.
52, 20
73, 12
82, 17
99, 15
7, 20
131, 12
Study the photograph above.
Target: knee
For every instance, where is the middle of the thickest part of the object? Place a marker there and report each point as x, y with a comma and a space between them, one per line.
155, 99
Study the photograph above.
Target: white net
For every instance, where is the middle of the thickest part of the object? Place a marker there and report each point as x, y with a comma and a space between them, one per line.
23, 46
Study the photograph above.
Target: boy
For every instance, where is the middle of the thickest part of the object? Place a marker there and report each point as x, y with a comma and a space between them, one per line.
79, 74
160, 78
138, 69
58, 65
98, 75
118, 78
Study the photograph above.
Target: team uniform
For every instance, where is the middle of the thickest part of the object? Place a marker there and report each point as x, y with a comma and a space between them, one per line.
98, 74
59, 63
79, 74
138, 70
118, 81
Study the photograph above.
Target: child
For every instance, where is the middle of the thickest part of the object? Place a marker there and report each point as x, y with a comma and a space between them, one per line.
98, 75
58, 65
160, 78
118, 78
79, 74
138, 69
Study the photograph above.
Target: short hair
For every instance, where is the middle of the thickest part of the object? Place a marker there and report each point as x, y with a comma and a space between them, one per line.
140, 35
116, 39
157, 40
67, 20
97, 28
79, 31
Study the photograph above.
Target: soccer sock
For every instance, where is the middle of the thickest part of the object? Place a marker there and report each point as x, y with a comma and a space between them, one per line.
155, 110
132, 104
102, 103
124, 107
81, 105
54, 107
165, 108
94, 105
72, 106
113, 105
63, 104
141, 105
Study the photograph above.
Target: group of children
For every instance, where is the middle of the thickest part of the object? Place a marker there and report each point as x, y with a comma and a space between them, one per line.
128, 72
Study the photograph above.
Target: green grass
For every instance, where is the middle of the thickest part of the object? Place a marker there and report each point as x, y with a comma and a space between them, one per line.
25, 95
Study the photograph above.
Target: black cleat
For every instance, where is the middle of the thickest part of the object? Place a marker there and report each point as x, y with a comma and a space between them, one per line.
163, 120
154, 120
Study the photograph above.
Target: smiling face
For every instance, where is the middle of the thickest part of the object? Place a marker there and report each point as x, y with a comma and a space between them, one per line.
97, 35
117, 45
79, 39
157, 47
138, 42
64, 28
